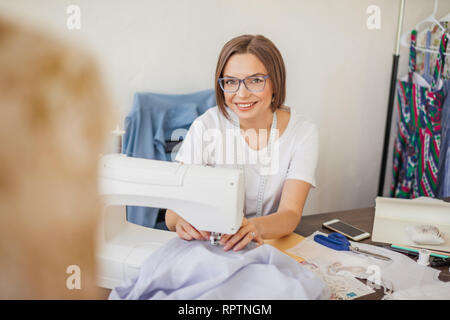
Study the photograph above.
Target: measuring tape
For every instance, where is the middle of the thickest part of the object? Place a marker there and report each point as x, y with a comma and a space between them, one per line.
263, 177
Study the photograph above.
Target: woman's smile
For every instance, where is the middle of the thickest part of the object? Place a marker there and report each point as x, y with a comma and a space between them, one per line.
245, 106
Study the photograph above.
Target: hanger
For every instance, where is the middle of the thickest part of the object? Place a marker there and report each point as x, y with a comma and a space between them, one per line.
430, 19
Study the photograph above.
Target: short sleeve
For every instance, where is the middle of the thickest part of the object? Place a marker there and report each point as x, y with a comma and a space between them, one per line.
191, 151
304, 158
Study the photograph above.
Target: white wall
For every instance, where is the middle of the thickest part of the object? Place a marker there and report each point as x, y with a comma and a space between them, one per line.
338, 70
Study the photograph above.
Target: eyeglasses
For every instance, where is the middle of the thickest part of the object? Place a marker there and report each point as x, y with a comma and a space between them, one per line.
252, 83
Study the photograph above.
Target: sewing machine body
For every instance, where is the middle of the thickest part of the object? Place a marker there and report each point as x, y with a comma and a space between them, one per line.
211, 199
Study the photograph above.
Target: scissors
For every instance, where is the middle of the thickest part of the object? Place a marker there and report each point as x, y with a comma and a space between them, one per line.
339, 242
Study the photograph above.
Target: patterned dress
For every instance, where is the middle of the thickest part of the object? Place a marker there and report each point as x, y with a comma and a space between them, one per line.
416, 148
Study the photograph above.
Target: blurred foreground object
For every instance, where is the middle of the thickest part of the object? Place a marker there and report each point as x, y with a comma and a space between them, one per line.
54, 119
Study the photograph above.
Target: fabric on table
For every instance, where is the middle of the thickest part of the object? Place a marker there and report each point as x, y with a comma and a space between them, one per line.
183, 269
417, 145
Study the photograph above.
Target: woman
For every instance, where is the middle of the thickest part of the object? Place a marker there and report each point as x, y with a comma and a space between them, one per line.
250, 92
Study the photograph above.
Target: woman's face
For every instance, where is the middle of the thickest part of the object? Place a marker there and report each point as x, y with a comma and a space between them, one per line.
248, 105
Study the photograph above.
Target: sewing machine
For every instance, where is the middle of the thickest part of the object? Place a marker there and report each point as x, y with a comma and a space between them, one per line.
211, 199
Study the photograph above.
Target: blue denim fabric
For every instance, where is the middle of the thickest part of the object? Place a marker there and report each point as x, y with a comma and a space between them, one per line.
150, 123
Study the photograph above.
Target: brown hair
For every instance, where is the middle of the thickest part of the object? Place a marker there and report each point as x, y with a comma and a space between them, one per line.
54, 120
269, 55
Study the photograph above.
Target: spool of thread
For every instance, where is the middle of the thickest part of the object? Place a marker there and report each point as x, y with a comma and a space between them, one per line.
117, 136
424, 257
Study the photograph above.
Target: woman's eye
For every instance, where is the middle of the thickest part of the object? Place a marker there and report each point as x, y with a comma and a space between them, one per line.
230, 82
257, 80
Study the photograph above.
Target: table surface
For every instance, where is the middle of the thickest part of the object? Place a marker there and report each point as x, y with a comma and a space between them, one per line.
360, 218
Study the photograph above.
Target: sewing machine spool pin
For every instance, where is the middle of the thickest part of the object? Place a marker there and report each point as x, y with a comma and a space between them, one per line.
117, 137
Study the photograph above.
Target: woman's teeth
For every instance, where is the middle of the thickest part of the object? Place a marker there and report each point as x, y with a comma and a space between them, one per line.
245, 105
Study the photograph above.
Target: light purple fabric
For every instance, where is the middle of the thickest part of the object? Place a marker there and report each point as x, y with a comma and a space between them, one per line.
198, 270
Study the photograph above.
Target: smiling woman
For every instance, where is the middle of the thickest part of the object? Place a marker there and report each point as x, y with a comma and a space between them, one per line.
250, 92
242, 56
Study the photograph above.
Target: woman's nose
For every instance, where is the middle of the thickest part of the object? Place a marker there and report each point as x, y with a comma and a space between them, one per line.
242, 92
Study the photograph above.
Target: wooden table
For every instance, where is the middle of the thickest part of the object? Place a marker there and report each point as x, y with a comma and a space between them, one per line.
360, 218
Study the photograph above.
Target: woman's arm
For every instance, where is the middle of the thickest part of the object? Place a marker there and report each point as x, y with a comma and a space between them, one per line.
289, 213
275, 225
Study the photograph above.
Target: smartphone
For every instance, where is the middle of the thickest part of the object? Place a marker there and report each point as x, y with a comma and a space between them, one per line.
347, 230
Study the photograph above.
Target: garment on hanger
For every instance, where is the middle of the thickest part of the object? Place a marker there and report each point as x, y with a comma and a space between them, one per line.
423, 65
436, 35
417, 145
443, 181
426, 69
443, 178
446, 68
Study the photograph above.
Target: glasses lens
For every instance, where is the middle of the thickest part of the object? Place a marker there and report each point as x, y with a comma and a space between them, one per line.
255, 83
229, 84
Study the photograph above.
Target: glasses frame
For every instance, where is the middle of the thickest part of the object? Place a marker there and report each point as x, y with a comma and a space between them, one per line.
242, 81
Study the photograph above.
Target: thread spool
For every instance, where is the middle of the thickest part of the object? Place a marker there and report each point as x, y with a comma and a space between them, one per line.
424, 257
117, 137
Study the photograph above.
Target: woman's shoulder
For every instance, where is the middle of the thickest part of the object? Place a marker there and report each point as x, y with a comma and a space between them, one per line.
211, 118
300, 124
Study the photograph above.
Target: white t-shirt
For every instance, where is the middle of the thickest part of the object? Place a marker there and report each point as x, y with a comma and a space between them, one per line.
216, 141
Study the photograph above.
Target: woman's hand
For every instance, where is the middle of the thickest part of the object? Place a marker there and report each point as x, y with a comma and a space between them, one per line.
247, 232
187, 232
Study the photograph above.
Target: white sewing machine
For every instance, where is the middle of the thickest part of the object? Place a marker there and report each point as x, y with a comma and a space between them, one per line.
211, 199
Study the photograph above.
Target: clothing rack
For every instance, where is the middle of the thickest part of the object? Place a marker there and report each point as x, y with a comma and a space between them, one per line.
394, 71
